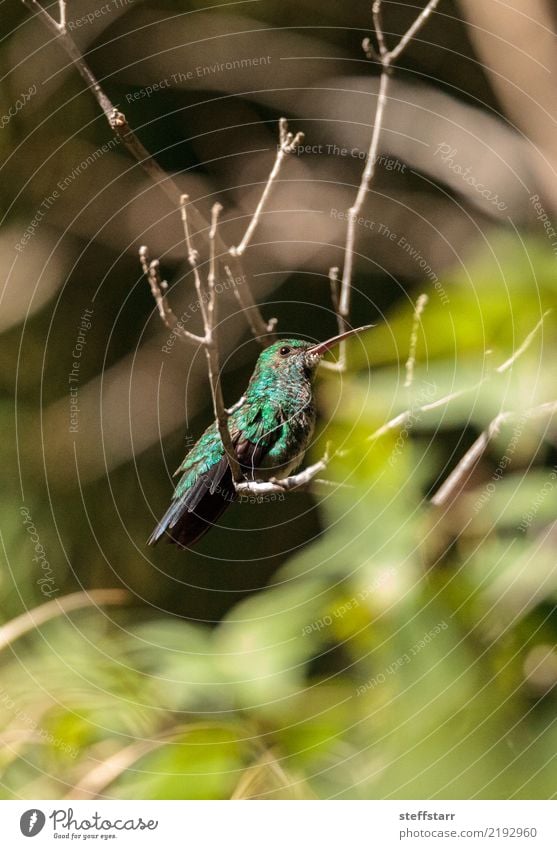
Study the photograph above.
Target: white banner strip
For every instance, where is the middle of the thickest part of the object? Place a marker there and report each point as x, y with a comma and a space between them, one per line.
280, 824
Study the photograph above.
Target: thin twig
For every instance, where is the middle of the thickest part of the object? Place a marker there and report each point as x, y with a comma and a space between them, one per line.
411, 361
404, 417
193, 259
36, 617
411, 32
522, 348
62, 8
288, 142
342, 324
354, 211
475, 452
261, 329
386, 58
378, 26
151, 269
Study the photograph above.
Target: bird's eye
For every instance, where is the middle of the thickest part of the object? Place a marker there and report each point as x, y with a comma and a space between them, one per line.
284, 351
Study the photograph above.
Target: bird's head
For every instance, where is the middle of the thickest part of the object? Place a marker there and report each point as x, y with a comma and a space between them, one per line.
298, 358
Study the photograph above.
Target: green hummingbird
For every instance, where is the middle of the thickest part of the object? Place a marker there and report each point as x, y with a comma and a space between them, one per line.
270, 427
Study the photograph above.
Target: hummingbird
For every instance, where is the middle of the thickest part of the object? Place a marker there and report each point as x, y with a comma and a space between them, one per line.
270, 427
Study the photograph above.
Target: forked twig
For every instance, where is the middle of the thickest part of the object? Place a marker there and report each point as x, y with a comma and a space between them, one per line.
288, 142
151, 269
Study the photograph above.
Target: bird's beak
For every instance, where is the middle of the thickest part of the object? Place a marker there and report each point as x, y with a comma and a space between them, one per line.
322, 347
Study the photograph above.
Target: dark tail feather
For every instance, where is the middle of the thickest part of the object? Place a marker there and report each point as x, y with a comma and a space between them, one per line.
190, 517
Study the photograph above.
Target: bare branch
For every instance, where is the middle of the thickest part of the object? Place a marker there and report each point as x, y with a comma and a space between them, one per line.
261, 329
116, 120
386, 58
404, 417
378, 26
342, 324
212, 354
62, 9
411, 361
151, 269
193, 259
354, 211
36, 617
468, 462
288, 142
298, 481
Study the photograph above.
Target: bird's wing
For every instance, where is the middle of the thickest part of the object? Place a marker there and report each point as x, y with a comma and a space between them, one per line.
206, 488
201, 471
259, 428
253, 431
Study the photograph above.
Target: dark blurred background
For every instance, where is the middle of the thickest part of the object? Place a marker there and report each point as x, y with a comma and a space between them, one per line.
230, 645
